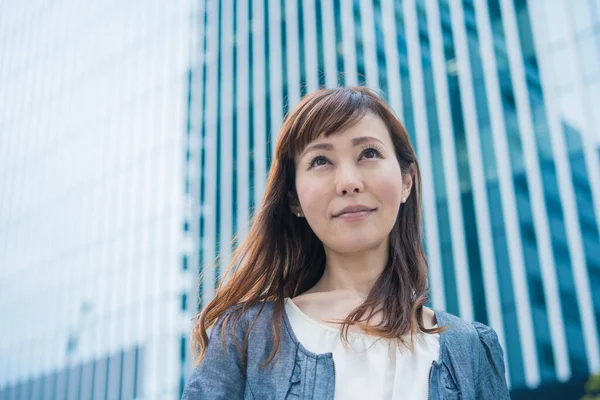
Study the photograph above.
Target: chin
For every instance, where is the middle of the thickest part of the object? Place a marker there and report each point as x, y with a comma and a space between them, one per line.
354, 243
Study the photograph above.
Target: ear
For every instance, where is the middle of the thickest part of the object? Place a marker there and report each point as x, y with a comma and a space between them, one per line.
407, 180
295, 207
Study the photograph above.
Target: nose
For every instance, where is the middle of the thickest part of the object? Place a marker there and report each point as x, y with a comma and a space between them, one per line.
349, 181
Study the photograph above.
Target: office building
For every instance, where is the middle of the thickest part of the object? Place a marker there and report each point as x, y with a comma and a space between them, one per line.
510, 202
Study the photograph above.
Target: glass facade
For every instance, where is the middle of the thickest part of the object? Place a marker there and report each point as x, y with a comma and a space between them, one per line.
510, 202
116, 376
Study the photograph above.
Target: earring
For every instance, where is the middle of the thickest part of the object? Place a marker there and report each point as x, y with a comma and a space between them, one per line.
404, 199
298, 215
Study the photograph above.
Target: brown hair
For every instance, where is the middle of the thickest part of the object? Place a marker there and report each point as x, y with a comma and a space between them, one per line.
273, 262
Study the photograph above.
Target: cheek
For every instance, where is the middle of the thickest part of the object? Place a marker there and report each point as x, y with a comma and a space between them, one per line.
391, 195
388, 187
311, 196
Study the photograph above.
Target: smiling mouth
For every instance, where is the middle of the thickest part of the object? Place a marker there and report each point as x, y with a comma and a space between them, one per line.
355, 215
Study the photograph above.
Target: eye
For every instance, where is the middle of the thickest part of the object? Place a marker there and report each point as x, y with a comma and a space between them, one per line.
317, 161
371, 151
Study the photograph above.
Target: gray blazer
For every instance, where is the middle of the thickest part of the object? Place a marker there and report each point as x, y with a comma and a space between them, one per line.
471, 364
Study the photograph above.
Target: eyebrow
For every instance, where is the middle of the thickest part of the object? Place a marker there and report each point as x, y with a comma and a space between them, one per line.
328, 146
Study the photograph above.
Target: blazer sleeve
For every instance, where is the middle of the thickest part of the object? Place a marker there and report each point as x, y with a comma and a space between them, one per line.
220, 374
491, 382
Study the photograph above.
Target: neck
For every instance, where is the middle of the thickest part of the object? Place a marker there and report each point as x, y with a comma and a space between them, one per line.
354, 272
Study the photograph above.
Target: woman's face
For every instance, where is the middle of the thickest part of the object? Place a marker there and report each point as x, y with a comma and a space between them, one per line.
350, 186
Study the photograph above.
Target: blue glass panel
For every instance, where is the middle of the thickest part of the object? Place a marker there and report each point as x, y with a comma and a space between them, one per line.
100, 379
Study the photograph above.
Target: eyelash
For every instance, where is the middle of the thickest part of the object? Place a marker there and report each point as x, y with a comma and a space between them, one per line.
369, 147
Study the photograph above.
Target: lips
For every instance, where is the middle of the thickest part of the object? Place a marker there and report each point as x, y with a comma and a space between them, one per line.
353, 209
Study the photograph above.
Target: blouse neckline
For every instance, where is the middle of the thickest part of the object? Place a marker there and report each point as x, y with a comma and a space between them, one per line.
440, 316
330, 328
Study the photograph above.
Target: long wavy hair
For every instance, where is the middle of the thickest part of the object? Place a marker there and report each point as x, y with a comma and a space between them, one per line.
282, 257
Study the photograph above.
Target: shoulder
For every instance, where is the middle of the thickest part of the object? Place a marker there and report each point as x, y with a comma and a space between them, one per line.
491, 353
469, 337
462, 327
473, 339
456, 326
239, 318
246, 313
478, 347
485, 333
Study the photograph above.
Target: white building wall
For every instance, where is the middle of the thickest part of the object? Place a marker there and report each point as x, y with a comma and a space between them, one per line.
91, 156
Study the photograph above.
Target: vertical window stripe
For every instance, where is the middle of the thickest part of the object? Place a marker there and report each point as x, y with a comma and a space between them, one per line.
422, 139
369, 44
224, 182
243, 98
258, 100
275, 70
208, 276
391, 57
292, 53
447, 145
310, 45
329, 43
349, 46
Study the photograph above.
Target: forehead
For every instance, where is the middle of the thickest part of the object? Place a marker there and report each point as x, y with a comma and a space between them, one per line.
369, 125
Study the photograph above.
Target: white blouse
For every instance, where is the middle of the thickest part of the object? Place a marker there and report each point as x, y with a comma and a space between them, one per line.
385, 371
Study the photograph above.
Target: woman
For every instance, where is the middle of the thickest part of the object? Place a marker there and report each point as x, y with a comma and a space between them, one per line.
326, 294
